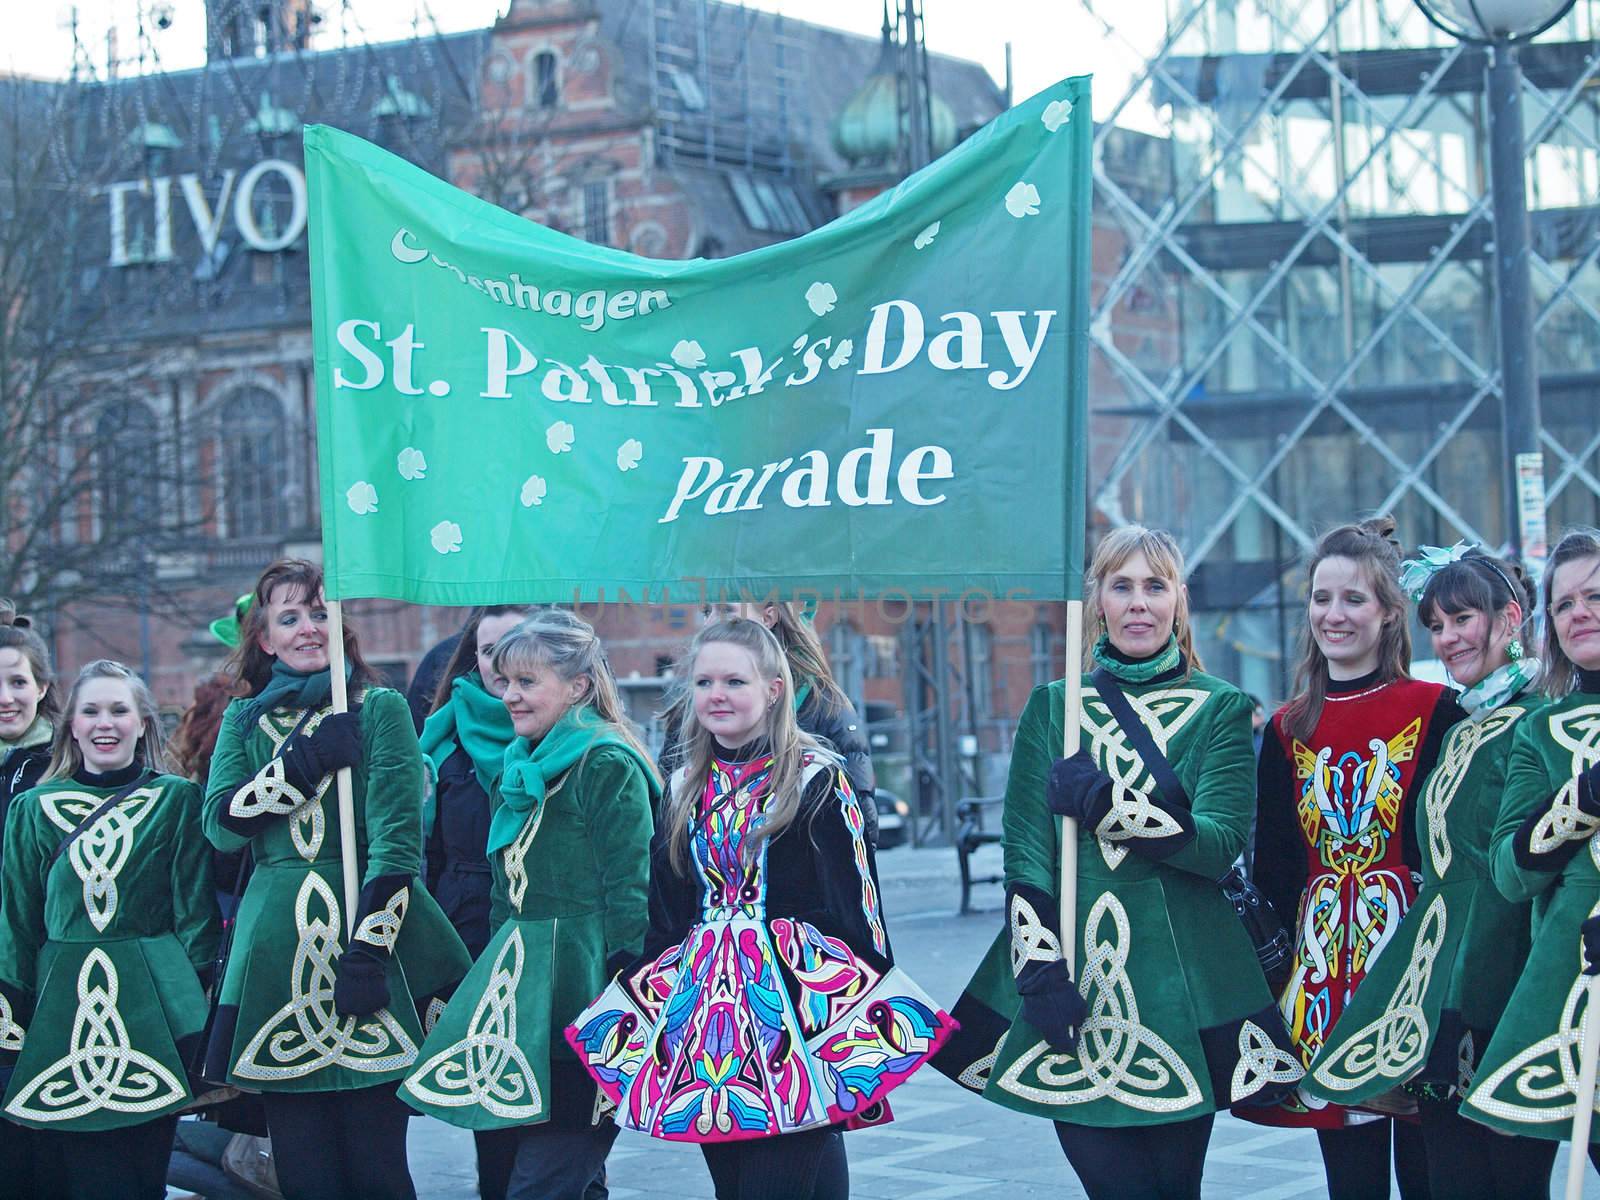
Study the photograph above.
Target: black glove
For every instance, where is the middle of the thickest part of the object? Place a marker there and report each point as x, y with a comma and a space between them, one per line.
1589, 790
335, 743
1591, 945
1052, 1005
1078, 789
359, 986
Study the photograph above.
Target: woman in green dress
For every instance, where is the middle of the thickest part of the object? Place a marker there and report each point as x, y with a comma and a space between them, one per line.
108, 924
1170, 1018
323, 1027
1544, 850
1426, 1010
569, 844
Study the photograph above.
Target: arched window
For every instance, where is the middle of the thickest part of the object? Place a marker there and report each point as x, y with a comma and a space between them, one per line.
130, 465
546, 80
255, 463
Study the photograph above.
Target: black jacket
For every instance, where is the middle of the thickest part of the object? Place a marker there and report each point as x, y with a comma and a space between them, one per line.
458, 867
21, 770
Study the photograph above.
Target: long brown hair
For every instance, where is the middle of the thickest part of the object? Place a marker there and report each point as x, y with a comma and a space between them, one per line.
787, 742
66, 758
1560, 672
17, 633
808, 661
195, 738
464, 660
565, 643
1371, 546
1160, 550
249, 666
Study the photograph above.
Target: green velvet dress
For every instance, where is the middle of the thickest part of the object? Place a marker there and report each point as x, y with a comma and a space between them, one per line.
570, 907
276, 1027
1544, 850
1424, 1012
101, 953
1181, 1022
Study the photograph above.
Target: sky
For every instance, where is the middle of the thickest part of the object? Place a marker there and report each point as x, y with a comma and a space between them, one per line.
1050, 39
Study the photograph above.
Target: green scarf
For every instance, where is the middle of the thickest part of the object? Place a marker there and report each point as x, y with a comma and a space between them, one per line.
289, 688
37, 734
1164, 660
530, 769
475, 721
1499, 686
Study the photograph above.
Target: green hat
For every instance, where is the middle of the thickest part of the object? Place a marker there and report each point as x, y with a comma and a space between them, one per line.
226, 629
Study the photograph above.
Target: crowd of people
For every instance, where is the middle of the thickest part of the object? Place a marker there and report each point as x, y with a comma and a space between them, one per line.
554, 936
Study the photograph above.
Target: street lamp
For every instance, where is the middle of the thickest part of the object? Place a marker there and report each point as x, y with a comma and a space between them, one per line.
1503, 26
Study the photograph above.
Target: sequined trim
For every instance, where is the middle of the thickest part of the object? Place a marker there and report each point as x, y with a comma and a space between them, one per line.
101, 1072
1260, 1063
514, 856
98, 854
1031, 939
1445, 780
382, 927
486, 1068
307, 1034
11, 1033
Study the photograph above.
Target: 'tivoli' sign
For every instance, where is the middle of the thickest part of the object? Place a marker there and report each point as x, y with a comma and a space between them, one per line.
893, 403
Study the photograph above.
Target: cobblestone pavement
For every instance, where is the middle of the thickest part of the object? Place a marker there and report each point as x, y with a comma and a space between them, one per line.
944, 1142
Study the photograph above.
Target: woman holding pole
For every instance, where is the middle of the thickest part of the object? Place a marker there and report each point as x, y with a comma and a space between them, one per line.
1169, 1018
322, 1023
1336, 846
569, 845
1544, 850
1426, 1010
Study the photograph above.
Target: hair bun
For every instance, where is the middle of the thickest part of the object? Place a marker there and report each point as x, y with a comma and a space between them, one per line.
1528, 590
10, 616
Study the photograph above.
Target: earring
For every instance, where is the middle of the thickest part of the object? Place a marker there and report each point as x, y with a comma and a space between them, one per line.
1514, 649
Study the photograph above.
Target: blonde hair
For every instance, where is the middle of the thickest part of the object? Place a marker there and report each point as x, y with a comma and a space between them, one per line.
66, 758
787, 742
1560, 672
1160, 550
565, 643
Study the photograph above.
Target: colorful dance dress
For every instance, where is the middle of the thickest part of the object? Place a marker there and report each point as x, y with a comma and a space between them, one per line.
1337, 852
767, 1001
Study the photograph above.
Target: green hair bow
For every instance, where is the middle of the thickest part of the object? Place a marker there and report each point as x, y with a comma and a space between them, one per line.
1416, 572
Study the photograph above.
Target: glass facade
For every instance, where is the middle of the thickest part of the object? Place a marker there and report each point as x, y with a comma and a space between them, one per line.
1295, 311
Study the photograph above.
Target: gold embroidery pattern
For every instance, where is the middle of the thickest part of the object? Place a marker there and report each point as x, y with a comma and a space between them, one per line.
308, 823
382, 927
101, 1071
1396, 1044
1543, 1078
1260, 1063
1118, 1058
99, 854
486, 1068
514, 855
1577, 731
307, 1034
1132, 814
1460, 747
11, 1034
1031, 940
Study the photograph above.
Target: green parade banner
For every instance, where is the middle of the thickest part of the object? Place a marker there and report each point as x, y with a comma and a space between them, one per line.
891, 405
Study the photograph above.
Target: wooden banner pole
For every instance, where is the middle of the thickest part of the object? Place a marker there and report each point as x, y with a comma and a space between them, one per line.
347, 804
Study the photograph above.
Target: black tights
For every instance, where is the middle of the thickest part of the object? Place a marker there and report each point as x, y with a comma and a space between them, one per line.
347, 1145
1138, 1162
1356, 1160
112, 1164
793, 1166
1468, 1161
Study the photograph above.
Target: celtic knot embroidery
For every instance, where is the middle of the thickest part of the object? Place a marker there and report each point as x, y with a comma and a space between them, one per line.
1260, 1063
1540, 1083
1118, 1058
976, 1075
486, 1068
1163, 714
1395, 1045
431, 1017
382, 928
1460, 747
11, 1034
100, 853
514, 856
306, 1033
1031, 939
307, 821
101, 1071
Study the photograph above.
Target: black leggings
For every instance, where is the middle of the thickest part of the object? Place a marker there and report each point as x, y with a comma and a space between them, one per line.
1468, 1161
1138, 1162
1356, 1160
114, 1164
340, 1145
792, 1166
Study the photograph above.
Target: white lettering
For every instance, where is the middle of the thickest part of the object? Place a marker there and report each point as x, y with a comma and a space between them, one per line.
499, 371
348, 338
244, 212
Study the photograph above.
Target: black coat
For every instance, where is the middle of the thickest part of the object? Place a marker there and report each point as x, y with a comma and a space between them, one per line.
21, 770
458, 866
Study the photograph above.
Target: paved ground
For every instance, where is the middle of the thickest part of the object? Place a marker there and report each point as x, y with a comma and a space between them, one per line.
944, 1142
